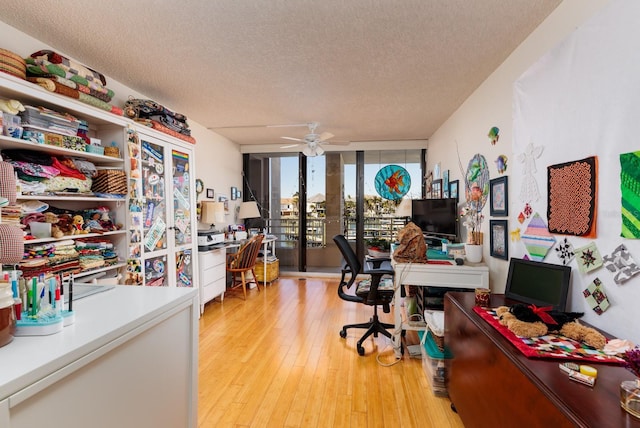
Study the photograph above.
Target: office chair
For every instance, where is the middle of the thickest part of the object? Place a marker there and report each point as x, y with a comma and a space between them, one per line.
244, 261
367, 292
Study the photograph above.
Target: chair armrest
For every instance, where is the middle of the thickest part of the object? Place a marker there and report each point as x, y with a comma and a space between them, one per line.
375, 262
377, 266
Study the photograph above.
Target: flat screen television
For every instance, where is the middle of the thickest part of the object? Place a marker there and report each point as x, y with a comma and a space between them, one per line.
538, 283
438, 217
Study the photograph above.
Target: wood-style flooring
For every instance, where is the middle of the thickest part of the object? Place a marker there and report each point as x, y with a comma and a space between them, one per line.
277, 360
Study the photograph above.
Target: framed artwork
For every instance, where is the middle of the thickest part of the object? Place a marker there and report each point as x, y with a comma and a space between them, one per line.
210, 194
498, 239
454, 187
436, 189
499, 192
234, 193
239, 194
223, 198
445, 183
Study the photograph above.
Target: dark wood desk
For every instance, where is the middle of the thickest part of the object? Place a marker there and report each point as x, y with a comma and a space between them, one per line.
492, 384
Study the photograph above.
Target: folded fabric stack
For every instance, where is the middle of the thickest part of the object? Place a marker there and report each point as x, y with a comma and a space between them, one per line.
50, 173
50, 259
159, 117
57, 73
96, 252
11, 215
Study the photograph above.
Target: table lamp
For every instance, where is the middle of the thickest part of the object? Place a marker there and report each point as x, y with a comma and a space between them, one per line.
249, 210
212, 213
404, 209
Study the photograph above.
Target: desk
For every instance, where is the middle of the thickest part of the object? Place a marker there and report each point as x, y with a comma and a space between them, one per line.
450, 275
491, 383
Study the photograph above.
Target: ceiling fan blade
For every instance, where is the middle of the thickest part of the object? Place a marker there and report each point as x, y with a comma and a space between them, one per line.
325, 136
289, 146
292, 139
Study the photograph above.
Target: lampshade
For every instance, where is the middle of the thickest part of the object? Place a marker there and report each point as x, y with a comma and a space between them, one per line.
313, 149
404, 209
212, 212
249, 210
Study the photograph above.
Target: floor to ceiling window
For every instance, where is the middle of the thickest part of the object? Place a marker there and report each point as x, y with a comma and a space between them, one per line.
305, 201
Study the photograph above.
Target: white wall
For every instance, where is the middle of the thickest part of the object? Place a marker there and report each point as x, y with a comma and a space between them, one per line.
218, 160
492, 105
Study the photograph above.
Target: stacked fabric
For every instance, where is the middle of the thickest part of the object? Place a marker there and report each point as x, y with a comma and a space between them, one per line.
50, 259
159, 117
59, 74
40, 172
11, 215
96, 252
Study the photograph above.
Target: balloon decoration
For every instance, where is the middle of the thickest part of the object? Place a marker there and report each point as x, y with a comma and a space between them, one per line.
392, 182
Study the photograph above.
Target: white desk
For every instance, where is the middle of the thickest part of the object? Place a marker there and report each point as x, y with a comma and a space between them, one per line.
130, 359
470, 275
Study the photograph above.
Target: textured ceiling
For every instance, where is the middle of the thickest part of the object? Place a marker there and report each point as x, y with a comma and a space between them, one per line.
366, 70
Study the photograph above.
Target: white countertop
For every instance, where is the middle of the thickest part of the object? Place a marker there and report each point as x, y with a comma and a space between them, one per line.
99, 319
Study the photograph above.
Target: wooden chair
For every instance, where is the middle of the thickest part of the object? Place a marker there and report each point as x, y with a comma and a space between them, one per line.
244, 261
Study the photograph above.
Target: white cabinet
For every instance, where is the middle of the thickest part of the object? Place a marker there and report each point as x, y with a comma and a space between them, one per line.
168, 211
213, 275
104, 125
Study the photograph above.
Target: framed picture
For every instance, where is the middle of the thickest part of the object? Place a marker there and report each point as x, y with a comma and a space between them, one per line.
239, 194
499, 191
453, 189
210, 194
498, 239
445, 183
223, 198
234, 193
436, 189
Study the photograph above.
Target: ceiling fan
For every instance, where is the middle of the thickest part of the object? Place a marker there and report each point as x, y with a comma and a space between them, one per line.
313, 141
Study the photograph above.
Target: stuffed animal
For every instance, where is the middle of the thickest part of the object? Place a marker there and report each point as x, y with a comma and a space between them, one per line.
531, 321
78, 225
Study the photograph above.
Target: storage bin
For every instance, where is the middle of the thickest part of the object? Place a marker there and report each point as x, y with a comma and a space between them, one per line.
435, 363
113, 181
273, 270
98, 150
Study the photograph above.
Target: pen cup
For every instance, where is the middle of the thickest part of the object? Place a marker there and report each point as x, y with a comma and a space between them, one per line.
483, 297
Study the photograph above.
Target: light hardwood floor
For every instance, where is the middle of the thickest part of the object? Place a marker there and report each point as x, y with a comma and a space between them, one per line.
277, 360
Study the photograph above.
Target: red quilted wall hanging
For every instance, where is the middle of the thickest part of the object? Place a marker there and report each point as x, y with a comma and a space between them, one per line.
572, 191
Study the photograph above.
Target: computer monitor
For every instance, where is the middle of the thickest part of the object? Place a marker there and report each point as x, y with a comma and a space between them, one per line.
538, 283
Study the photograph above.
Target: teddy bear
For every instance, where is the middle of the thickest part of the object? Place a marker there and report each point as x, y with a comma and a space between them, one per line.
531, 321
78, 225
50, 217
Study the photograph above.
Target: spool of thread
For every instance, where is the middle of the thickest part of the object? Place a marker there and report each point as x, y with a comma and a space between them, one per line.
483, 297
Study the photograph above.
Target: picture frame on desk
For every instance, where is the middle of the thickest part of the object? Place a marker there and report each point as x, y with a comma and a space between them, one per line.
499, 245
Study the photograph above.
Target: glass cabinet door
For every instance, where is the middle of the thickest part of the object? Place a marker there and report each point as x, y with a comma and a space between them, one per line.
154, 217
182, 211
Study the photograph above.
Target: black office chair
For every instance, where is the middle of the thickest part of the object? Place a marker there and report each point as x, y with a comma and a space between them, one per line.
367, 292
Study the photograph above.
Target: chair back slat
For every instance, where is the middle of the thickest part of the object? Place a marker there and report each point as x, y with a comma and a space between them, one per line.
246, 256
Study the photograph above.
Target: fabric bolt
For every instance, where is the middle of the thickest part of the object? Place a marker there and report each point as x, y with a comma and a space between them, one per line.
67, 169
35, 170
572, 197
7, 182
630, 190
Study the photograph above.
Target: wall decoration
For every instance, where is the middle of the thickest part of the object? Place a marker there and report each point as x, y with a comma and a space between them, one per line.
498, 239
436, 171
239, 194
501, 164
621, 264
210, 194
477, 182
445, 183
571, 206
537, 239
588, 258
596, 297
515, 234
234, 193
454, 189
529, 191
629, 183
436, 189
564, 251
199, 187
223, 198
499, 190
494, 135
392, 182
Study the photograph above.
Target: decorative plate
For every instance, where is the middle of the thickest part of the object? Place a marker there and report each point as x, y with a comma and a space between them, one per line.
392, 182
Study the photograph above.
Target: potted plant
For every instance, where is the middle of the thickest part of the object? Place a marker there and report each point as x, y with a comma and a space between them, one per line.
377, 247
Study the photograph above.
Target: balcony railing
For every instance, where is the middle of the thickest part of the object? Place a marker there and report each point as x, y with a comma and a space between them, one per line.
286, 230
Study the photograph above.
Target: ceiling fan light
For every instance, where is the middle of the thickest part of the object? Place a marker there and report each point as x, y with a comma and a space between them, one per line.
312, 150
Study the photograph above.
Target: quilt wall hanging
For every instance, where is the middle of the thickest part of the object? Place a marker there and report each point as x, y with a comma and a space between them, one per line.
572, 197
537, 239
630, 190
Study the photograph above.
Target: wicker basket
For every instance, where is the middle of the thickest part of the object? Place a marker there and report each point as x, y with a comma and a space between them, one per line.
112, 151
273, 270
113, 181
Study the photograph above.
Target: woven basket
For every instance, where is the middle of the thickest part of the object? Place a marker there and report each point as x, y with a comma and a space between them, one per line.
112, 151
273, 271
112, 181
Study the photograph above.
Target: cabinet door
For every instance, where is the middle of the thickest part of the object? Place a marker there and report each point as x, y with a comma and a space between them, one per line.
182, 215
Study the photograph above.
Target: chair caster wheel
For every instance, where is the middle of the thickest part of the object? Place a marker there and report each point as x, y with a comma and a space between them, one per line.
360, 351
343, 334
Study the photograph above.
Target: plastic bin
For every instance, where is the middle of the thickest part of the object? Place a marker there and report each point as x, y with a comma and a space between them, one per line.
435, 363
